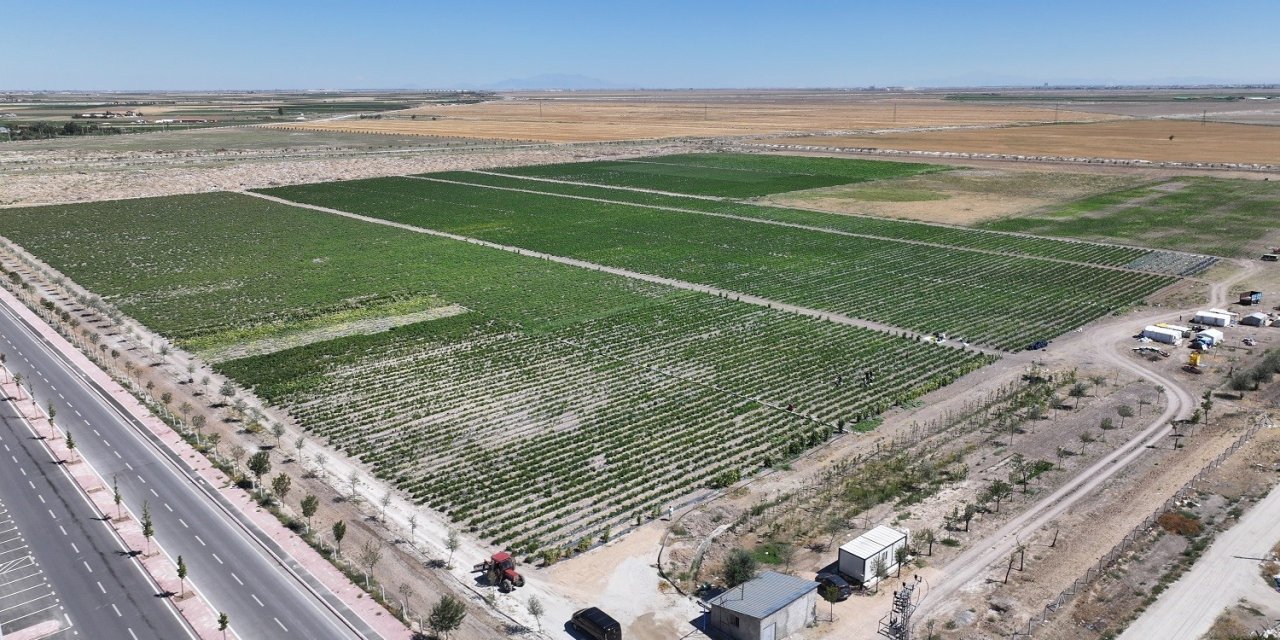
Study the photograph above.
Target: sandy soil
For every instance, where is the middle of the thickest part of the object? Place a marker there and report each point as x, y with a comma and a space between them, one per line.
642, 117
1129, 139
966, 196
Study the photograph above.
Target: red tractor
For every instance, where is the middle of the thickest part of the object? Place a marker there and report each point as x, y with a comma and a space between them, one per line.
500, 571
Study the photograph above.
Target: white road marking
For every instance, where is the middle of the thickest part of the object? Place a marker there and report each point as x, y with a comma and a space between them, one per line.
131, 633
75, 548
86, 565
38, 495
51, 515
184, 523
215, 557
116, 452
64, 531
255, 599
166, 505
200, 541
237, 578
117, 610
129, 466
153, 492
286, 629
101, 588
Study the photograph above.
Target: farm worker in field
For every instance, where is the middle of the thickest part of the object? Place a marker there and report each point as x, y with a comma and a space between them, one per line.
671, 512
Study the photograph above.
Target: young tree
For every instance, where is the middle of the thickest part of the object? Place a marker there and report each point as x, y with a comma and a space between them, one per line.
147, 529
182, 577
185, 408
739, 567
1124, 411
280, 486
116, 497
223, 623
447, 615
370, 554
339, 531
227, 391
1106, 424
71, 445
970, 511
880, 568
198, 423
259, 465
536, 610
1078, 391
237, 453
927, 537
1206, 404
901, 555
999, 490
354, 481
452, 542
310, 504
1018, 470
413, 527
297, 447
385, 502
277, 430
832, 596
406, 592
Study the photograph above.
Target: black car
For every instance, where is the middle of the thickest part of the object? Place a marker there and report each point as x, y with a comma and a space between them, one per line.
1038, 345
834, 581
596, 624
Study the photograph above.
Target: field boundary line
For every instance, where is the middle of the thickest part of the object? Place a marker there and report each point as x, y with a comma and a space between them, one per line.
837, 318
793, 225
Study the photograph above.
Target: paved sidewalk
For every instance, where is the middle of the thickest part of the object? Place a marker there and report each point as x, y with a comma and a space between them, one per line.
307, 558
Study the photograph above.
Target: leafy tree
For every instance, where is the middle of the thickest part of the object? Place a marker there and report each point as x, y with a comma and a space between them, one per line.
536, 610
227, 391
880, 569
901, 554
927, 537
198, 423
71, 445
739, 567
259, 465
182, 576
1078, 391
148, 529
1206, 404
280, 486
223, 623
116, 497
277, 430
339, 530
310, 504
370, 554
237, 453
1124, 411
999, 490
970, 511
447, 615
832, 596
452, 542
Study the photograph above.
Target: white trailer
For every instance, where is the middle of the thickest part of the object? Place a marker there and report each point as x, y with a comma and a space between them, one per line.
1162, 334
1214, 337
1212, 319
858, 557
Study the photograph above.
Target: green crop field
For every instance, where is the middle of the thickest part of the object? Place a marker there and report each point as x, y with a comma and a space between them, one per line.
1230, 218
1006, 301
1086, 252
577, 397
725, 174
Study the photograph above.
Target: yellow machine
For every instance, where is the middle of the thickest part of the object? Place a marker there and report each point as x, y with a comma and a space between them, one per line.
1194, 359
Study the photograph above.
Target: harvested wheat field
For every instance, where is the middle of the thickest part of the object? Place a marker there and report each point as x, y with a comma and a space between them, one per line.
584, 119
1152, 140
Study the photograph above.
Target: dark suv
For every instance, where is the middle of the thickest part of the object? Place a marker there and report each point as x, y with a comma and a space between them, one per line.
595, 624
832, 580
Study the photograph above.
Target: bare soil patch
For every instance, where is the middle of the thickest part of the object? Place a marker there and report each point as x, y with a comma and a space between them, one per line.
647, 117
965, 196
1152, 140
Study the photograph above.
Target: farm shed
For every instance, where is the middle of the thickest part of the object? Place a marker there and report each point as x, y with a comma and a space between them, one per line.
1163, 334
1185, 331
1210, 337
771, 606
858, 557
1212, 319
1256, 320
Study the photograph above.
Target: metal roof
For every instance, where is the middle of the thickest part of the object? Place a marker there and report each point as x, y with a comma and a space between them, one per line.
873, 542
764, 595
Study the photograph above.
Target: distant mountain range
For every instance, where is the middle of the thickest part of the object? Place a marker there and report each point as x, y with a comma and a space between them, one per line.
550, 81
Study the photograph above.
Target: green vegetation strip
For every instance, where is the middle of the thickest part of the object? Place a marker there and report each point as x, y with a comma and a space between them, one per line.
732, 175
1229, 218
1003, 301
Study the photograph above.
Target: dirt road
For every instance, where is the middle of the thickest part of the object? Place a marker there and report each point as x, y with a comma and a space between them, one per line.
996, 547
1226, 573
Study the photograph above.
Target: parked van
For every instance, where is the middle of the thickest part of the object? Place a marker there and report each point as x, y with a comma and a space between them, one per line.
595, 624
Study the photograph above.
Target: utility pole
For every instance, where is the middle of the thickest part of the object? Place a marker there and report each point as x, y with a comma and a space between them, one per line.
897, 625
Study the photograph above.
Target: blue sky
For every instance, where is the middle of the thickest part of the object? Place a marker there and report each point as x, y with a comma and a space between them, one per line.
179, 44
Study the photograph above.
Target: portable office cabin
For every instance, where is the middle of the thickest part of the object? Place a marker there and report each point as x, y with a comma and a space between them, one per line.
1210, 337
858, 557
1256, 320
1163, 334
1185, 331
771, 606
1212, 319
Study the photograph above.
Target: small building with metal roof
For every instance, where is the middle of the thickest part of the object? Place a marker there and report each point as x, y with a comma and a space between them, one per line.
770, 606
858, 557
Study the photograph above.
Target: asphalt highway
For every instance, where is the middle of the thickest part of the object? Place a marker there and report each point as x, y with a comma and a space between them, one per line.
92, 582
237, 568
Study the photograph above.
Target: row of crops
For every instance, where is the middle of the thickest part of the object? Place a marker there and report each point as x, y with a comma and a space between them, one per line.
574, 398
1005, 301
727, 174
1085, 252
582, 426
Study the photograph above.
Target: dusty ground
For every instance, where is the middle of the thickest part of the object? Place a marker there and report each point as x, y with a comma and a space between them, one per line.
641, 116
965, 196
1128, 139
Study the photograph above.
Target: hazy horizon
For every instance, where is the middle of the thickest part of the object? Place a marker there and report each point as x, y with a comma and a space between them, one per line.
387, 45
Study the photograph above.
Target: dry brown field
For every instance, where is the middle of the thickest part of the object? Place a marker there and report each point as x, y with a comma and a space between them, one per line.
1153, 140
637, 118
